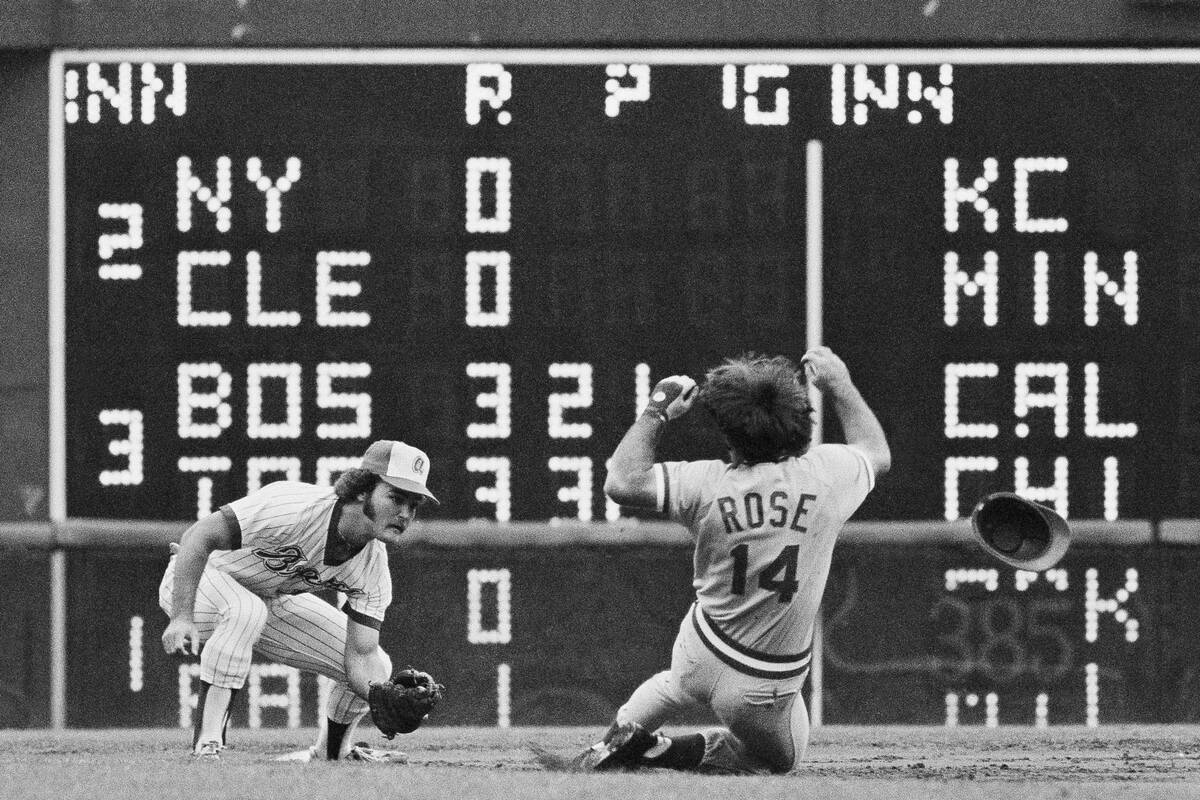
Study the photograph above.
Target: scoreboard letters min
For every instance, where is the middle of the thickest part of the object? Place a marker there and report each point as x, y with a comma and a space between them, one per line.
264, 260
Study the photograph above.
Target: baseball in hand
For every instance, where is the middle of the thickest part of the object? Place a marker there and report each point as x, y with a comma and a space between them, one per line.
672, 397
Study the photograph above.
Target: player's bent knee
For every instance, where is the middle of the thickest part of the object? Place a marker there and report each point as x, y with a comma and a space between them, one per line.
249, 613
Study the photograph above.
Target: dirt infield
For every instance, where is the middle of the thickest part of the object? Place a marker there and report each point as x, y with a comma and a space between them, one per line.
463, 763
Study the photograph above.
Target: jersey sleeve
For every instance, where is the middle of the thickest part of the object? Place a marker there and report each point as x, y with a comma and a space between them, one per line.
681, 487
848, 472
368, 606
261, 517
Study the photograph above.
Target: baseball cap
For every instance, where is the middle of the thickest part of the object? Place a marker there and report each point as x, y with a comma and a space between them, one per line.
1020, 532
400, 465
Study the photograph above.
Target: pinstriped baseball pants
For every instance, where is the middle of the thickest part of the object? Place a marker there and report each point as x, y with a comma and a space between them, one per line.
301, 631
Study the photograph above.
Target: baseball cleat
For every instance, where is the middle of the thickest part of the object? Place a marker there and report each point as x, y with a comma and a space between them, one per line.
360, 752
622, 748
551, 761
299, 756
208, 751
589, 759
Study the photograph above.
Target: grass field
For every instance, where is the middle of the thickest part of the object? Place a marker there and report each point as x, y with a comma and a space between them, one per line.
463, 763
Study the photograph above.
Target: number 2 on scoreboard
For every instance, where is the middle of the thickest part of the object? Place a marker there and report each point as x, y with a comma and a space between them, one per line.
769, 578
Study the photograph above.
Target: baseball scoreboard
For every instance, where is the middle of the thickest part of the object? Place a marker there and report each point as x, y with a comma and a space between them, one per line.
264, 260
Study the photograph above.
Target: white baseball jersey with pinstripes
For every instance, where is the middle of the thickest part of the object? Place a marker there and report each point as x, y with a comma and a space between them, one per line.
284, 529
764, 537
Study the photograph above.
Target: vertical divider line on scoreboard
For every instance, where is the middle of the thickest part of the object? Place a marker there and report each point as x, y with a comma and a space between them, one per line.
814, 263
57, 401
56, 290
814, 291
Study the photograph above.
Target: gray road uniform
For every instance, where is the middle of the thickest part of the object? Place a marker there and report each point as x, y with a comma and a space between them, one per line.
764, 537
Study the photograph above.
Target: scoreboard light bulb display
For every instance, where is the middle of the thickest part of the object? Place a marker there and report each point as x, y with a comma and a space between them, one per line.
267, 260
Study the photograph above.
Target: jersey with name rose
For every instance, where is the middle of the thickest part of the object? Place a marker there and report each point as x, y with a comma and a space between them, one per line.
764, 536
284, 530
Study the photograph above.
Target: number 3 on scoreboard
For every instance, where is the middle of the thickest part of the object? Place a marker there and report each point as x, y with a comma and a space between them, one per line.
769, 578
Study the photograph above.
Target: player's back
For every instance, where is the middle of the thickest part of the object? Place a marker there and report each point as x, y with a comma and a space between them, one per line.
764, 537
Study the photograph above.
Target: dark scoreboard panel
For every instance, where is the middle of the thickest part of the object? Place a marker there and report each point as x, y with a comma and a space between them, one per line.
268, 260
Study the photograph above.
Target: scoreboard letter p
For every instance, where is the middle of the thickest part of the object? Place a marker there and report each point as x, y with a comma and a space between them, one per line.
495, 94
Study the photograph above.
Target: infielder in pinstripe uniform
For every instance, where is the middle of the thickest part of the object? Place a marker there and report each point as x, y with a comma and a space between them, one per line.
764, 526
242, 579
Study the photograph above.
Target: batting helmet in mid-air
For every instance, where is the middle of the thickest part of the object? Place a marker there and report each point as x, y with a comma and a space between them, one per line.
1020, 532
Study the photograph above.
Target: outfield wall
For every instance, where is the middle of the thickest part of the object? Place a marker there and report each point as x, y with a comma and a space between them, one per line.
531, 624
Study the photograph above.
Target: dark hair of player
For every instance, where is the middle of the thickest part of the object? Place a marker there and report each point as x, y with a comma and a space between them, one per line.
353, 482
761, 406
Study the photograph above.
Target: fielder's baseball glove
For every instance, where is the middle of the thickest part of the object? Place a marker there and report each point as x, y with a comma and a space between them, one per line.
401, 704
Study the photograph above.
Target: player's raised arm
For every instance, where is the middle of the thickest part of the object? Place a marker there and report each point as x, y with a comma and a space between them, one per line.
829, 374
214, 532
630, 479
